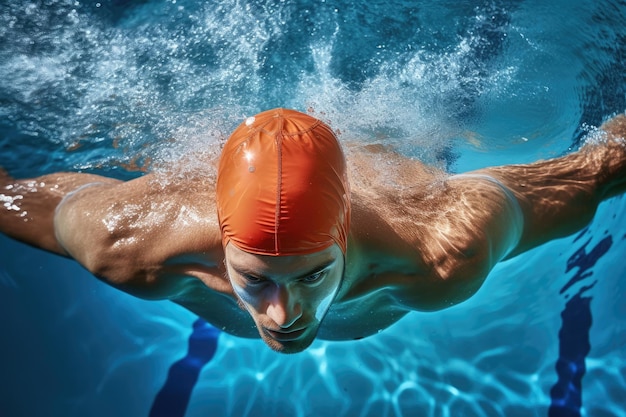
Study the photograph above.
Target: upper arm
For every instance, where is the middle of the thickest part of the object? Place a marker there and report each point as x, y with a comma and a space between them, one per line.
103, 227
457, 228
493, 210
137, 235
472, 223
78, 228
94, 225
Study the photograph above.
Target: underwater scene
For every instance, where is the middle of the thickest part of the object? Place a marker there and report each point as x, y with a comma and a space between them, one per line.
121, 88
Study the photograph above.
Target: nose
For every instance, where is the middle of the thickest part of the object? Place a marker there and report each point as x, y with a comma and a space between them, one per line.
283, 307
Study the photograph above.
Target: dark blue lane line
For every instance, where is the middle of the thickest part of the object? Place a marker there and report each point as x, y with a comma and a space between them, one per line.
585, 261
173, 398
574, 344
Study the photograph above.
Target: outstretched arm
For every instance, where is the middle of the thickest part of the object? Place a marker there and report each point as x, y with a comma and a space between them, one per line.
561, 195
27, 206
480, 218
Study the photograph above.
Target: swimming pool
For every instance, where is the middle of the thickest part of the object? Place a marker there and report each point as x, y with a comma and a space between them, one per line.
117, 87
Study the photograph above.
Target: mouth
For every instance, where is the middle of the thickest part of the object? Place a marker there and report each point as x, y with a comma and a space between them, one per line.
285, 336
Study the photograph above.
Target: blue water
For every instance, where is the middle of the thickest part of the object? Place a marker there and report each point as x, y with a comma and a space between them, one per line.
119, 87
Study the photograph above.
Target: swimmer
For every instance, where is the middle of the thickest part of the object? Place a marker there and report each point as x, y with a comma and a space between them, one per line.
293, 241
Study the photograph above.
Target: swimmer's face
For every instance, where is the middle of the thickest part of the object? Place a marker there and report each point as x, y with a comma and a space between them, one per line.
287, 296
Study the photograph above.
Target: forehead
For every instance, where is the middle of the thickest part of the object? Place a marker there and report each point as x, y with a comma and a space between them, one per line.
295, 265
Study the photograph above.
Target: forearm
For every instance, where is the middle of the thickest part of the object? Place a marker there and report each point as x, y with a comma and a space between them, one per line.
27, 206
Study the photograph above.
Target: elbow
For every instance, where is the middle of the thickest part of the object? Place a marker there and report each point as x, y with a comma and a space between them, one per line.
105, 263
441, 295
463, 277
458, 289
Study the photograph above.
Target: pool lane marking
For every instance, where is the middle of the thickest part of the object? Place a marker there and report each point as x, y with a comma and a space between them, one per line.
173, 398
574, 344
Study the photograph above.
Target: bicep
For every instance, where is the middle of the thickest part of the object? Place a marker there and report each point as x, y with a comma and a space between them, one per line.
77, 227
478, 223
120, 232
495, 210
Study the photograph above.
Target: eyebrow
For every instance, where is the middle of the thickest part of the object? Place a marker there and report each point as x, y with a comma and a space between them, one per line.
319, 268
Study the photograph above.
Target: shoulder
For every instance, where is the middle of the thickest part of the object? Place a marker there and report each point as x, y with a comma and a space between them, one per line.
127, 233
441, 238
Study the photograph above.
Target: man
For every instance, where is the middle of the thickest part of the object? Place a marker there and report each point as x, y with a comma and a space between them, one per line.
282, 247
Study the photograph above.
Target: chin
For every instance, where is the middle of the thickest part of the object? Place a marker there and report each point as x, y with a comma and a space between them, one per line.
287, 348
291, 346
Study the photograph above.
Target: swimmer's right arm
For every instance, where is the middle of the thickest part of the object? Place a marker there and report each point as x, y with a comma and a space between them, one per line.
28, 206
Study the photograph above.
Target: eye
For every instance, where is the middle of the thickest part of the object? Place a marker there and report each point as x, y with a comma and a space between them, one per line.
251, 279
314, 277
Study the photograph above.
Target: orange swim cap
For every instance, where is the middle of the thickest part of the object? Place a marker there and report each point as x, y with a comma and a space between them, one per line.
282, 186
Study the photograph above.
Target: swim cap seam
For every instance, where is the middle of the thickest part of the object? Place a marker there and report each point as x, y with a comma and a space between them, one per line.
301, 132
279, 181
261, 129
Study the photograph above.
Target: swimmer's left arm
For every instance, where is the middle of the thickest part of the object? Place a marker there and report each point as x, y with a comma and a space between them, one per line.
493, 214
560, 196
